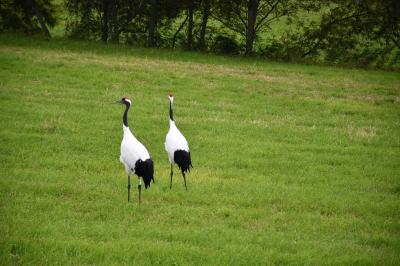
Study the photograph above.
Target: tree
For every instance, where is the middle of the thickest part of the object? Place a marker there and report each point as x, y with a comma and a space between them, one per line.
189, 7
206, 10
86, 19
178, 30
106, 19
189, 42
248, 17
27, 15
381, 20
151, 41
348, 23
159, 12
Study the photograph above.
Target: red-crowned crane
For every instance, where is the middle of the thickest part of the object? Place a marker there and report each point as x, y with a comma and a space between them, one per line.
134, 155
177, 146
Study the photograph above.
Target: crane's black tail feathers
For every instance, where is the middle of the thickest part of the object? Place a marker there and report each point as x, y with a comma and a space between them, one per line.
183, 160
145, 169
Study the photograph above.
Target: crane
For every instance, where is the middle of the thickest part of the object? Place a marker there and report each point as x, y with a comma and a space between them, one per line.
134, 154
177, 146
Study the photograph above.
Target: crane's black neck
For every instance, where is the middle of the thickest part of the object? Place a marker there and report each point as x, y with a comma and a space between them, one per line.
125, 117
171, 112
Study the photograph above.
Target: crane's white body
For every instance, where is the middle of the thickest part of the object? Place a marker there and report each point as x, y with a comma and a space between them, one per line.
174, 141
131, 151
134, 155
176, 146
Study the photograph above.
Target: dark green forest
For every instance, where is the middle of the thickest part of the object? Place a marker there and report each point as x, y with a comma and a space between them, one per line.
344, 32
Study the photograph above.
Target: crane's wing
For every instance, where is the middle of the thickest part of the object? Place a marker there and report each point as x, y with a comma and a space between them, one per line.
175, 141
131, 151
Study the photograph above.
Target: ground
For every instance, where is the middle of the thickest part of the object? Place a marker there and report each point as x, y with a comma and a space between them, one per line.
293, 164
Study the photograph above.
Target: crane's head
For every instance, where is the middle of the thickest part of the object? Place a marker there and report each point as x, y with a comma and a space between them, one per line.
125, 101
171, 97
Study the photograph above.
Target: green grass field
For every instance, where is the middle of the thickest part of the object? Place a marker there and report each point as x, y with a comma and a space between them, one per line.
293, 164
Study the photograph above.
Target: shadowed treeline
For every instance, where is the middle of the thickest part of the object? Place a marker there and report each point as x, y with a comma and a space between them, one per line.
361, 33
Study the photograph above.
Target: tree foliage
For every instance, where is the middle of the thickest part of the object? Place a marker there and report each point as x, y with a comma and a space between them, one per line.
248, 17
361, 31
28, 16
350, 31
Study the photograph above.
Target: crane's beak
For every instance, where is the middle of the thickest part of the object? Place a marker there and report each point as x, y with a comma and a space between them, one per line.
118, 102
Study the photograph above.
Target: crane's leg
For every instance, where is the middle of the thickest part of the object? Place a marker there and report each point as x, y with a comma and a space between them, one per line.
129, 188
172, 173
184, 179
140, 189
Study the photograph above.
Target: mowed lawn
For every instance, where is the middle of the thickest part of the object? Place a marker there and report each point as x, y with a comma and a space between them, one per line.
293, 164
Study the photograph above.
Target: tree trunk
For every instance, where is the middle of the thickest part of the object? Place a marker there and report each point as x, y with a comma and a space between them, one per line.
132, 13
151, 42
114, 22
190, 28
251, 21
176, 33
205, 15
104, 26
40, 18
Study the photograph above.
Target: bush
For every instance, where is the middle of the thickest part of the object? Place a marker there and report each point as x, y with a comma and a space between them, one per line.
225, 45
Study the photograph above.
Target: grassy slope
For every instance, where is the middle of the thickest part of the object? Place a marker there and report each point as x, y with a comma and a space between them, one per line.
293, 163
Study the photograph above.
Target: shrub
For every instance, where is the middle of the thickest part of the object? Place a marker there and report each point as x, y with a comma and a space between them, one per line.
225, 45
